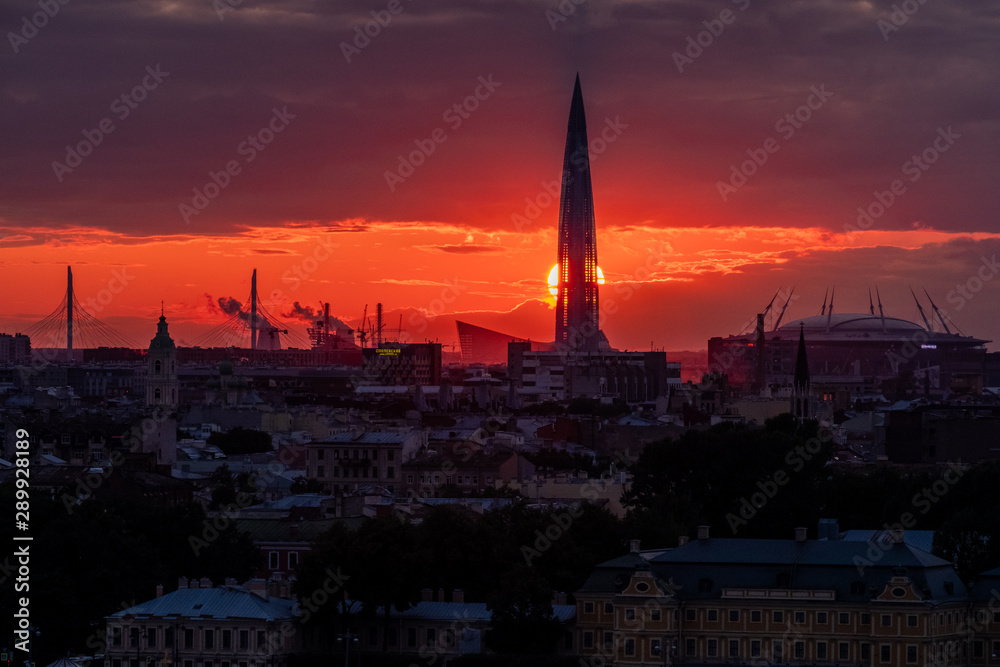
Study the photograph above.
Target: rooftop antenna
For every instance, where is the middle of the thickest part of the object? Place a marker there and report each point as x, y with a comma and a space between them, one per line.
881, 314
921, 309
937, 312
829, 313
782, 313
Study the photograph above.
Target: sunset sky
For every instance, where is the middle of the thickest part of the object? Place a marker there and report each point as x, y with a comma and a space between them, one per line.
413, 165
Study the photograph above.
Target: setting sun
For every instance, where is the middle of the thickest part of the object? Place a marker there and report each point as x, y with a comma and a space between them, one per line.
554, 279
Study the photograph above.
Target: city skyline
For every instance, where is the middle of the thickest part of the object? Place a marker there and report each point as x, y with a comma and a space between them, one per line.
732, 145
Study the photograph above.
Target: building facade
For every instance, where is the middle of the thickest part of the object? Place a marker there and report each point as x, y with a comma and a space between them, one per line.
778, 602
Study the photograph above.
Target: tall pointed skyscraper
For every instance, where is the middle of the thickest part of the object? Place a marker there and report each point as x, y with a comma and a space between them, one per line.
577, 321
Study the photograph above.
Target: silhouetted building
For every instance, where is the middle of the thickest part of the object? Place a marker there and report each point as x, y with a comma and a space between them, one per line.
801, 387
404, 363
161, 364
485, 346
16, 349
577, 321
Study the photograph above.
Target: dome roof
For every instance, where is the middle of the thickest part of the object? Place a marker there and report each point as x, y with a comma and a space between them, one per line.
850, 323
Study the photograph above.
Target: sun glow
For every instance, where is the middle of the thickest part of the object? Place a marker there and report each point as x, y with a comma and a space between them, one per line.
554, 279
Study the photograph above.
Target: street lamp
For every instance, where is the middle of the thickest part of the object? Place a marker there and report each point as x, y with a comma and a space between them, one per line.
346, 640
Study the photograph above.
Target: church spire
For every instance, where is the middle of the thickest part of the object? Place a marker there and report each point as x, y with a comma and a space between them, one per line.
801, 385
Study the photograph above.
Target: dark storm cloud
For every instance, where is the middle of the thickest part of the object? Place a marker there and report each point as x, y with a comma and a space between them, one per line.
222, 81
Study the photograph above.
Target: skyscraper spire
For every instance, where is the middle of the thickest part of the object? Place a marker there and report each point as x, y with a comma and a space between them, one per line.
577, 311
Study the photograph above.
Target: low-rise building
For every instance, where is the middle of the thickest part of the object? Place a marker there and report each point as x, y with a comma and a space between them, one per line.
199, 625
749, 601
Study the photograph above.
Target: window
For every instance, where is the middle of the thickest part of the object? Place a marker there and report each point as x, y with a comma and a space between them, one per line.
778, 617
629, 647
886, 620
734, 648
689, 614
320, 471
713, 648
261, 641
866, 652
373, 635
392, 639
884, 653
244, 639
821, 651
151, 637
390, 472
116, 636
755, 616
168, 637
713, 615
911, 653
272, 560
609, 640
293, 560
209, 638
609, 608
630, 614
800, 617
800, 650
843, 618
409, 478
754, 648
866, 619
821, 617
411, 637
227, 639
844, 651
734, 615
911, 620
133, 637
654, 614
588, 607
777, 652
588, 640
996, 617
390, 455
654, 647
689, 647
430, 636
977, 649
188, 638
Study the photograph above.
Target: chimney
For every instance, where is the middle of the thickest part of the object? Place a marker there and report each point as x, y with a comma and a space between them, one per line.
206, 582
458, 596
703, 532
182, 583
800, 534
633, 546
440, 595
682, 540
560, 598
230, 581
897, 536
193, 583
427, 595
159, 590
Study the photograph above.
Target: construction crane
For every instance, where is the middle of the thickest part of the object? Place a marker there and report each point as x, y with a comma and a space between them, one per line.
362, 330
